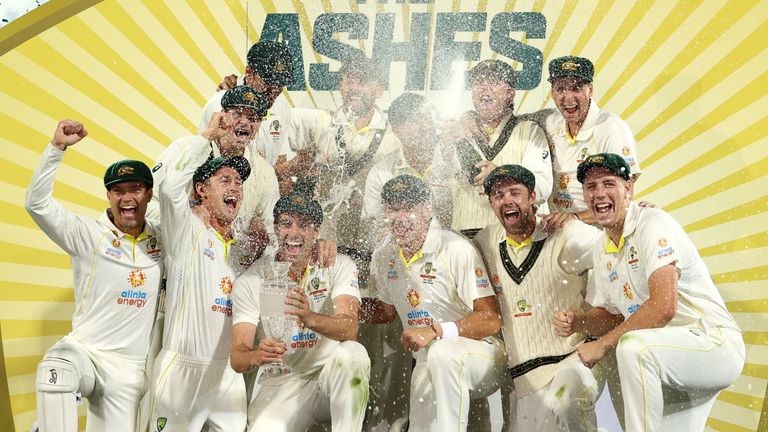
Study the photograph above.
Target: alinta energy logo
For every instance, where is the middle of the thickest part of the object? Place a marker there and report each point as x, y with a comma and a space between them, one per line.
134, 296
224, 304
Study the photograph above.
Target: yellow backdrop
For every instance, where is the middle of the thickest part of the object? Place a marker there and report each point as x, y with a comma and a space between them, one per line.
689, 77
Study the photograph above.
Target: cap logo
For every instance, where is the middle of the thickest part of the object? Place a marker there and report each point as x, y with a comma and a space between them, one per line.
249, 96
569, 66
299, 200
125, 170
397, 187
596, 159
280, 67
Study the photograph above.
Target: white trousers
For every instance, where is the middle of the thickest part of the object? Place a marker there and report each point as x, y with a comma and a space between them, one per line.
338, 392
113, 386
567, 403
693, 364
455, 371
191, 394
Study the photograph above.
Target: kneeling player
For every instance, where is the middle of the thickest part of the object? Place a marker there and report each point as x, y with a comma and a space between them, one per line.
330, 371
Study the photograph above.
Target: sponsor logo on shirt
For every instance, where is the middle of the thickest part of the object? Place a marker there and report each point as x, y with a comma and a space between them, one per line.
482, 280
631, 309
664, 251
563, 181
209, 251
392, 273
562, 200
306, 339
628, 291
496, 282
524, 309
224, 304
426, 273
114, 253
137, 278
582, 155
153, 251
132, 298
413, 297
613, 275
318, 290
419, 318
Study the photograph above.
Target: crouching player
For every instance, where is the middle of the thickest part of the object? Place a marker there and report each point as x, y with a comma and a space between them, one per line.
116, 262
330, 370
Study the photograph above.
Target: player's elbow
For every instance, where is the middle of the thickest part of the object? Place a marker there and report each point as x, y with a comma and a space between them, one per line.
668, 312
238, 360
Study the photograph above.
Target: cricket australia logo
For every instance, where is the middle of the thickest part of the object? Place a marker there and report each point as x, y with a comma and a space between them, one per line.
161, 422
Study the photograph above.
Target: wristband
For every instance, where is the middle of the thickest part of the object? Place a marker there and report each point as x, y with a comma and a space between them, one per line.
449, 329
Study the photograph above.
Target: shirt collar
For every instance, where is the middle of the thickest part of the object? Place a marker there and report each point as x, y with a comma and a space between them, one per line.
149, 230
587, 128
538, 235
431, 244
630, 224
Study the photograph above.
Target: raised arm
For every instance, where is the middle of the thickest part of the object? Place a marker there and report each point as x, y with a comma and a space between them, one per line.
66, 229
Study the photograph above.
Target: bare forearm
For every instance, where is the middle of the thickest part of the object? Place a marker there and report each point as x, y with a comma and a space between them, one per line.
374, 311
479, 324
243, 359
596, 322
341, 327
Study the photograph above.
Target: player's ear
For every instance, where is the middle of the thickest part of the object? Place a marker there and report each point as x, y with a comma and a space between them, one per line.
200, 190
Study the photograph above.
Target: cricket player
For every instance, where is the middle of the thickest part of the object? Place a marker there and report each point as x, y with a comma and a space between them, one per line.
535, 274
269, 69
435, 280
580, 128
193, 385
330, 370
117, 268
243, 110
655, 304
490, 136
413, 123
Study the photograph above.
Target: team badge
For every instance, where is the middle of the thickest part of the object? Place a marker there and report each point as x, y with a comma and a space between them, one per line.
563, 181
137, 278
628, 291
479, 272
523, 308
226, 285
413, 298
625, 151
569, 66
249, 96
161, 422
153, 243
125, 170
583, 155
315, 283
275, 125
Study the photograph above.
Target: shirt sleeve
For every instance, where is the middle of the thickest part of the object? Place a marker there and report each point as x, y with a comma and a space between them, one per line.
469, 273
345, 278
657, 238
245, 299
596, 295
68, 230
618, 138
577, 253
537, 159
175, 213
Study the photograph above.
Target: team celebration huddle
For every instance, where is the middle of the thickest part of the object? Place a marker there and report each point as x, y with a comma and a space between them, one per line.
381, 269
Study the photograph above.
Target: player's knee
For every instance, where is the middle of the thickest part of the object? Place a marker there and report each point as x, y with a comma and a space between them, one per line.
351, 354
57, 375
568, 401
631, 346
444, 354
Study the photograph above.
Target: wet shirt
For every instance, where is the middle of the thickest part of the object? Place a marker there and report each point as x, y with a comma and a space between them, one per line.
439, 283
202, 269
308, 350
602, 132
116, 276
651, 240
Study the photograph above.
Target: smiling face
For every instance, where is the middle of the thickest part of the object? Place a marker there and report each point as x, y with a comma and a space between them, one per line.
128, 205
572, 96
408, 224
607, 196
493, 99
221, 194
359, 93
513, 205
296, 233
241, 125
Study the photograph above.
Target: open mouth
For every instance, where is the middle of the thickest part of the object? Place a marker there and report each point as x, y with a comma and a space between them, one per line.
230, 202
128, 211
293, 246
570, 109
511, 215
486, 99
603, 208
242, 132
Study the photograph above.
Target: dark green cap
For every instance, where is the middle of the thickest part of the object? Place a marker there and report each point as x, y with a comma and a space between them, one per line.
209, 168
301, 203
610, 161
405, 189
406, 107
272, 61
246, 97
516, 173
362, 67
128, 170
571, 66
493, 69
